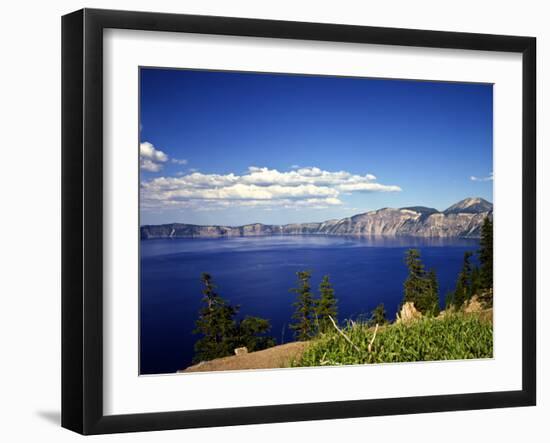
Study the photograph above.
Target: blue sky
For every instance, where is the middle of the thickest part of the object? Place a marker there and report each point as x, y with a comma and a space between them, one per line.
235, 148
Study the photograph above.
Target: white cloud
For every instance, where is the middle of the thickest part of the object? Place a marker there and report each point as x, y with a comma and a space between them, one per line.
482, 179
367, 187
311, 175
178, 161
309, 187
150, 158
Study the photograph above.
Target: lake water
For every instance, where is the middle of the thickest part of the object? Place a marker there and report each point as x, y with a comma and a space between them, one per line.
257, 273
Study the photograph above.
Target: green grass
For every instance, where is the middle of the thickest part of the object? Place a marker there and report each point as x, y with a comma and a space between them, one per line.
455, 336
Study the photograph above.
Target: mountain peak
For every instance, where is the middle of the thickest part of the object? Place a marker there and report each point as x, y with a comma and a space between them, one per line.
470, 205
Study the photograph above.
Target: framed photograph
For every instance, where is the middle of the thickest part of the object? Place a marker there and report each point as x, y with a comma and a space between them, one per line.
269, 221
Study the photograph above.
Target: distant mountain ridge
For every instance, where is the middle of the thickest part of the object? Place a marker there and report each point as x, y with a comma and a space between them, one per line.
470, 206
463, 219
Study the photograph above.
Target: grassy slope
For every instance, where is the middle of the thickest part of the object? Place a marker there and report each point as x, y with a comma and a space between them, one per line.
454, 336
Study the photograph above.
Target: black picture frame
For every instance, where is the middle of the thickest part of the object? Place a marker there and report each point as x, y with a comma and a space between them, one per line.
82, 218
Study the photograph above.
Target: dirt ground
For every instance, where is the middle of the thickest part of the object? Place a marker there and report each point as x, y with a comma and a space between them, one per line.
276, 357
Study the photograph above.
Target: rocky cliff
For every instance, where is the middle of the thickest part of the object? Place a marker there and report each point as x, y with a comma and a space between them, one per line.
463, 219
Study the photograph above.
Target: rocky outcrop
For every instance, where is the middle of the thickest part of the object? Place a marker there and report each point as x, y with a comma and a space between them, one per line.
473, 305
408, 313
463, 219
241, 351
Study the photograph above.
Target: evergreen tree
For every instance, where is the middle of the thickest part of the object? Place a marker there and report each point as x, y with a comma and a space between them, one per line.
303, 326
215, 324
475, 284
449, 299
486, 254
415, 285
431, 302
326, 305
251, 332
378, 316
221, 334
463, 289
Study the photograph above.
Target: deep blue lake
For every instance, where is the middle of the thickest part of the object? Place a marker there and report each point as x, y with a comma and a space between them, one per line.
257, 273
